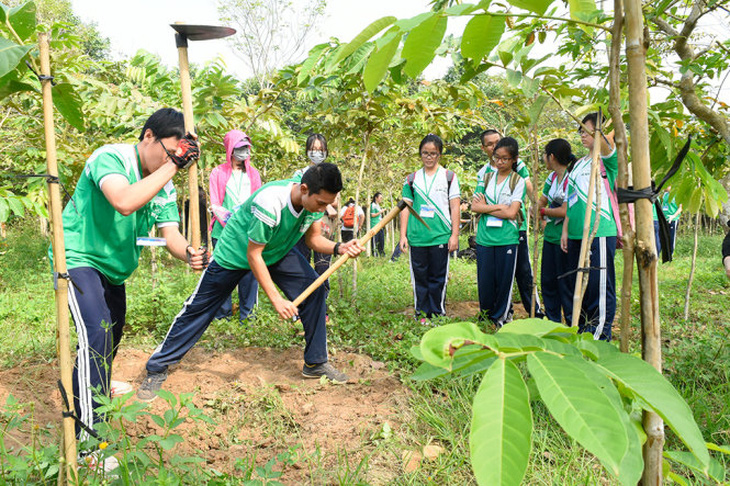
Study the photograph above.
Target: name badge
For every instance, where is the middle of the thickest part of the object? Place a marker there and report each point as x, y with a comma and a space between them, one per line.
573, 199
427, 212
494, 222
149, 241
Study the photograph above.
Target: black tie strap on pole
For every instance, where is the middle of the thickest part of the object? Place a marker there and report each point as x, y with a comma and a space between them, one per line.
68, 413
626, 196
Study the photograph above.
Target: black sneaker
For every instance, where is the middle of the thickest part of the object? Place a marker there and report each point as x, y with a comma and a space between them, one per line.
326, 370
150, 386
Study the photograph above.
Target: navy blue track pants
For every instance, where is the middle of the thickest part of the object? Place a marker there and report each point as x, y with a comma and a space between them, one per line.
429, 276
495, 276
557, 296
98, 309
599, 300
523, 275
248, 297
292, 274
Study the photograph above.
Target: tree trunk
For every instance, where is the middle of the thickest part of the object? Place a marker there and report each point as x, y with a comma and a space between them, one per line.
646, 257
692, 268
536, 218
622, 180
357, 204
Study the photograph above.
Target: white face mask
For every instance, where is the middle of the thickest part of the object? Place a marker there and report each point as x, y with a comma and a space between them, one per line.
241, 153
317, 156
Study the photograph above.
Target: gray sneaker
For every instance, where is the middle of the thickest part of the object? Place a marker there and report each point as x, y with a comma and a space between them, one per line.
150, 386
326, 370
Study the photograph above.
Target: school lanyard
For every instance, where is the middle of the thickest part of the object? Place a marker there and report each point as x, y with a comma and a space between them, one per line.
425, 184
496, 186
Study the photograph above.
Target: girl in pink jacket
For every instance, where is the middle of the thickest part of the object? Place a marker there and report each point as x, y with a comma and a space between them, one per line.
231, 183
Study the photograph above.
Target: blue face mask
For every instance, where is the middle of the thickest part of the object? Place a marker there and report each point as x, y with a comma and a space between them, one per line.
241, 153
317, 156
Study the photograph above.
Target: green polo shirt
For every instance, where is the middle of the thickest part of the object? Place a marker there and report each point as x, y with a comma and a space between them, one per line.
430, 196
521, 170
268, 218
95, 234
578, 181
493, 231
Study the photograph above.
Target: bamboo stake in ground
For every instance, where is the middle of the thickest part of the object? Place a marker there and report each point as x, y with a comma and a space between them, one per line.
59, 262
622, 179
584, 259
363, 241
646, 258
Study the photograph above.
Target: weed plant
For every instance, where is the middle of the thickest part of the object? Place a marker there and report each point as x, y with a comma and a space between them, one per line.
376, 320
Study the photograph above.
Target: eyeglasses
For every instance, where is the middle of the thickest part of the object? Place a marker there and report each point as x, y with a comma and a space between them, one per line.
503, 159
171, 155
430, 155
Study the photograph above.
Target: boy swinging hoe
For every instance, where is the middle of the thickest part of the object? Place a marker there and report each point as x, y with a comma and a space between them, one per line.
260, 238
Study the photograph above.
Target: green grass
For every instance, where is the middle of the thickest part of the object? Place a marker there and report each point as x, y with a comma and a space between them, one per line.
374, 321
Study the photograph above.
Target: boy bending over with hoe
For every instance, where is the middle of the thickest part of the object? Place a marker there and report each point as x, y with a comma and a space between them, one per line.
259, 238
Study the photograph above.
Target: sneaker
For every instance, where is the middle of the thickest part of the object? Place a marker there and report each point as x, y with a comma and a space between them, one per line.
95, 463
150, 386
120, 388
326, 370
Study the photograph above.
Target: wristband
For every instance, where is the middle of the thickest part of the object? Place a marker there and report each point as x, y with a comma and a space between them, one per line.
336, 249
542, 212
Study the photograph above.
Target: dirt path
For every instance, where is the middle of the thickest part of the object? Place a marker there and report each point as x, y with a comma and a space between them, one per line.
258, 398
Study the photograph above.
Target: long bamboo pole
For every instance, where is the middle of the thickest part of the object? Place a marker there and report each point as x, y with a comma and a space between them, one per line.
646, 256
622, 179
583, 259
187, 99
59, 261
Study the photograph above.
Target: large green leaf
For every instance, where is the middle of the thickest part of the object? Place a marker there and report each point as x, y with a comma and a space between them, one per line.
481, 35
582, 10
467, 361
3, 12
501, 426
11, 84
536, 327
360, 57
715, 471
537, 6
10, 55
647, 384
379, 62
581, 407
315, 54
364, 36
438, 345
22, 18
420, 46
68, 104
632, 464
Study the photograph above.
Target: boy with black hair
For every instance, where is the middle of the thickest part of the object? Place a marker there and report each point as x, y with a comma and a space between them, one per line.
123, 191
259, 238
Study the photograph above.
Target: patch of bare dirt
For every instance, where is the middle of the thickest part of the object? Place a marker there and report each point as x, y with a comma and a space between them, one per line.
260, 402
